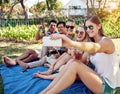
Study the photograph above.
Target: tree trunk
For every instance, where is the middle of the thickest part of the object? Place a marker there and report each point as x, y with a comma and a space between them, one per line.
24, 11
92, 7
104, 4
87, 8
23, 6
47, 3
11, 8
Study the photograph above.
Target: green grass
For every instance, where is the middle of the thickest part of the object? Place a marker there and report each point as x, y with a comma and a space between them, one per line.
15, 49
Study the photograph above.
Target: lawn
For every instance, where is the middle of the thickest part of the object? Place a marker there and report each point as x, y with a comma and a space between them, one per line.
15, 49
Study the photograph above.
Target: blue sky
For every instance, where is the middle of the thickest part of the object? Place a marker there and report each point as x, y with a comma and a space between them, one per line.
30, 3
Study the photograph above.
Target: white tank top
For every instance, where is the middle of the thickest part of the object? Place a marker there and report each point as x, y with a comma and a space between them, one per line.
107, 66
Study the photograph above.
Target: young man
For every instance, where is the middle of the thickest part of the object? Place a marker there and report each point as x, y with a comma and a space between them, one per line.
32, 54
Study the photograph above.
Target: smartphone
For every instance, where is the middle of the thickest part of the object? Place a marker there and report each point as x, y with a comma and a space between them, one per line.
48, 42
43, 29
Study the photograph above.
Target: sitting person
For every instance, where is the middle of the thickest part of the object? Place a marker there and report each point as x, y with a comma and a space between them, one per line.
61, 28
31, 54
102, 80
49, 59
70, 26
80, 35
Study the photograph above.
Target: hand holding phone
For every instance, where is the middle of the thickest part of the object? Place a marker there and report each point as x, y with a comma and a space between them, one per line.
41, 27
48, 42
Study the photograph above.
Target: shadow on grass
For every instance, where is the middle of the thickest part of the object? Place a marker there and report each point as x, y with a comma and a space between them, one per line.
10, 51
13, 51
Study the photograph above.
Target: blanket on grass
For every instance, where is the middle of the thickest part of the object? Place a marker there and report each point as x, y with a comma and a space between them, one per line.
17, 82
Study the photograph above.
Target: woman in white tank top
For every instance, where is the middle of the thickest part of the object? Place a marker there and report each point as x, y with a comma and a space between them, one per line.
103, 79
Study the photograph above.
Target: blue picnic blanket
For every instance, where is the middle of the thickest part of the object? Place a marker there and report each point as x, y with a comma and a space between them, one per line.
17, 82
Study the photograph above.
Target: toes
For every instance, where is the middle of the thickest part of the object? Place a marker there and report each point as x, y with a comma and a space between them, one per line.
3, 60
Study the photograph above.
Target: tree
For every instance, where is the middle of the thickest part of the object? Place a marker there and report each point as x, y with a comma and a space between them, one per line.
2, 3
91, 6
50, 6
15, 3
44, 9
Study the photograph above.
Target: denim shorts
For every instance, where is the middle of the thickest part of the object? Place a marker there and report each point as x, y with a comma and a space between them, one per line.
106, 88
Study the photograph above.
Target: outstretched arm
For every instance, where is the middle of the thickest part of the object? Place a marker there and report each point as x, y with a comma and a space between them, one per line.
105, 45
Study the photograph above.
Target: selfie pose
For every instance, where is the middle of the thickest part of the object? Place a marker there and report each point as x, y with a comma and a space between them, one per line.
101, 80
80, 35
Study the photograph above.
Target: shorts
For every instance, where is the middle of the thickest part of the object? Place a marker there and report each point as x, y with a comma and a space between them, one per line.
51, 59
106, 88
90, 65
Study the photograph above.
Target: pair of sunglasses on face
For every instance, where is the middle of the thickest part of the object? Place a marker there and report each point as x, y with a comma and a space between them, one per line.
90, 27
71, 27
79, 32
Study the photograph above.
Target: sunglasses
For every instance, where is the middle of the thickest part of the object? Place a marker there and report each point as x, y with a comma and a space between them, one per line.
71, 27
79, 32
90, 27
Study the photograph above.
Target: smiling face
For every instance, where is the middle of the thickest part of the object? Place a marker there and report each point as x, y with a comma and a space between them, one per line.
70, 28
80, 34
61, 29
52, 26
93, 27
91, 31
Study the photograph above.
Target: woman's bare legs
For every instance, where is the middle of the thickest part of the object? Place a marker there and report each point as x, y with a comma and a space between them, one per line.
47, 65
58, 77
51, 67
63, 59
74, 68
51, 77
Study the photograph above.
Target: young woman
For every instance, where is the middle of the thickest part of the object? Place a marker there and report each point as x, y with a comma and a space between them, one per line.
80, 35
100, 81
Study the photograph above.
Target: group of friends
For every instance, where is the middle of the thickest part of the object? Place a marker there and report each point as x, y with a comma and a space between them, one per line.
86, 55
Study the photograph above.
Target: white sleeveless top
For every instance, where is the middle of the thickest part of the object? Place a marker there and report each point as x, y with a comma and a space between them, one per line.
107, 66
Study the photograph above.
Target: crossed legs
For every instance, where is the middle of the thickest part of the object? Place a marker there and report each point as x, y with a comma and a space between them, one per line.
62, 60
25, 57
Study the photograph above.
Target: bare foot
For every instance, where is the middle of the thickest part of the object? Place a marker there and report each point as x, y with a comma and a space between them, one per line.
42, 76
46, 72
47, 65
8, 61
21, 63
36, 74
3, 61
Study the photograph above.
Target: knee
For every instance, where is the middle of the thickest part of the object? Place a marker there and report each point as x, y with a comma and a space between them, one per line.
35, 56
30, 51
74, 63
71, 63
